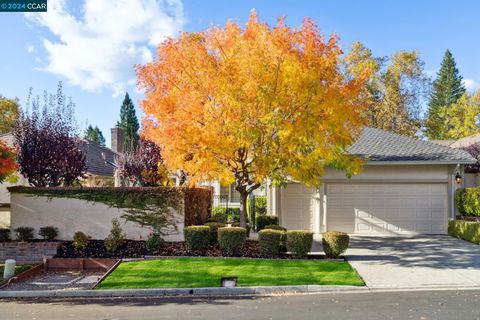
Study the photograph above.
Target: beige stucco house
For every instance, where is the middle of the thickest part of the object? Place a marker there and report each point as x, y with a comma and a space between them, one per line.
407, 187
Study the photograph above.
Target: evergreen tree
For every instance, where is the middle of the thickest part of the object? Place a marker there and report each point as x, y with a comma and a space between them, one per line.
447, 89
129, 123
94, 135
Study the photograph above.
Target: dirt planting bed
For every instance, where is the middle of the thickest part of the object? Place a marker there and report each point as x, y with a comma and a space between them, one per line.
138, 249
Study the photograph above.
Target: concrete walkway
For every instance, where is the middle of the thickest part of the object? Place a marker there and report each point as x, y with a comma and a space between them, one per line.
419, 261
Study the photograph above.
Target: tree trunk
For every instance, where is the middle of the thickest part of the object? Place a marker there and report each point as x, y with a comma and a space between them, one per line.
243, 208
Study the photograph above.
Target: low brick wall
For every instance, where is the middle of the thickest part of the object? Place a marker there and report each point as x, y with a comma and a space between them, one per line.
27, 252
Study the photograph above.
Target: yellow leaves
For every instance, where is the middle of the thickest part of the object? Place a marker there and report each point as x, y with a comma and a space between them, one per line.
276, 93
462, 117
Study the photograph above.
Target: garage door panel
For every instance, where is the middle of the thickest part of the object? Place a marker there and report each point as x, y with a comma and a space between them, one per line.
387, 208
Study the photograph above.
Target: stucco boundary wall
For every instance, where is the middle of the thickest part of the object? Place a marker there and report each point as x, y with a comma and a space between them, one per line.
70, 215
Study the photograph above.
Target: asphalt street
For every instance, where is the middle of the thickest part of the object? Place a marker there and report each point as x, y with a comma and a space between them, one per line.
380, 305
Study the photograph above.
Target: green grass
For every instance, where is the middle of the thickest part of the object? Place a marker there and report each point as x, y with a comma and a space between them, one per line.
206, 272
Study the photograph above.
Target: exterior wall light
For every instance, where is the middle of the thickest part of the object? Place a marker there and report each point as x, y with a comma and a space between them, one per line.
458, 178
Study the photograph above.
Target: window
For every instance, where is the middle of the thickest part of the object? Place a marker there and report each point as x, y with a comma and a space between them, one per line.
234, 194
230, 192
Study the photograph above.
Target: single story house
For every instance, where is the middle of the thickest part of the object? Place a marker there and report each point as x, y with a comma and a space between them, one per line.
407, 186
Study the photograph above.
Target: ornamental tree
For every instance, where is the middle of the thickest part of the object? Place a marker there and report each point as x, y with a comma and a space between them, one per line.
243, 104
8, 165
47, 142
144, 166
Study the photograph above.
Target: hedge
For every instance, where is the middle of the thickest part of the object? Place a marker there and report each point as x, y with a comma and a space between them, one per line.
468, 201
299, 242
231, 239
260, 205
465, 230
269, 242
214, 230
225, 215
197, 238
197, 205
335, 243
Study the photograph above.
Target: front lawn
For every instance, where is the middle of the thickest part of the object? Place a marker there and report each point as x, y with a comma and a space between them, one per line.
206, 272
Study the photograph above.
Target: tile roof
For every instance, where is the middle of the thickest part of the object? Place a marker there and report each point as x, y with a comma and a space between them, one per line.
382, 146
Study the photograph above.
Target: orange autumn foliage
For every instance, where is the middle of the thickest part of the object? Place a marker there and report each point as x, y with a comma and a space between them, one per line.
8, 165
242, 104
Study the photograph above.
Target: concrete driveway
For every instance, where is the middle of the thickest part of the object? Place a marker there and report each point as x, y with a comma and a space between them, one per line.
418, 261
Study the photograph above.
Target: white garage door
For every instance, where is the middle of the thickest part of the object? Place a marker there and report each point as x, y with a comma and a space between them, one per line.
297, 207
387, 208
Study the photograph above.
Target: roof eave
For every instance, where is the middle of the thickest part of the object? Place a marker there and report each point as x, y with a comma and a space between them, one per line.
421, 162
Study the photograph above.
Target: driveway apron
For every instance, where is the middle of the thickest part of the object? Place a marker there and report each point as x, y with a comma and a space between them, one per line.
416, 261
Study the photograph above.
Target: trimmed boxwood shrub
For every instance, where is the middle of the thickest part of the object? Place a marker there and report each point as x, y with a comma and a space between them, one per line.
283, 240
299, 242
4, 234
263, 221
334, 243
48, 233
197, 238
247, 227
231, 239
214, 230
24, 233
154, 242
275, 227
269, 242
465, 230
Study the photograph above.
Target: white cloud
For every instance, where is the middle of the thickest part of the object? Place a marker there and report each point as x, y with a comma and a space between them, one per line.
99, 49
31, 48
470, 84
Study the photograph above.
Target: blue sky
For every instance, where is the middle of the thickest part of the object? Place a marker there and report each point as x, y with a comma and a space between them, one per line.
92, 45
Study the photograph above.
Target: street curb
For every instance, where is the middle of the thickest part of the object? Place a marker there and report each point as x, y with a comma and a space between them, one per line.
165, 292
231, 292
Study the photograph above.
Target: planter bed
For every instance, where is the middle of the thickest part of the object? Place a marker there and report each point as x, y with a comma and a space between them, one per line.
138, 249
63, 274
207, 272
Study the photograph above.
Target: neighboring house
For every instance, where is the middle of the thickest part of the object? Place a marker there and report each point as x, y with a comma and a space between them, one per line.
407, 186
100, 164
472, 178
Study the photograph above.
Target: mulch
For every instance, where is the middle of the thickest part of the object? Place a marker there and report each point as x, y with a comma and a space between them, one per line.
138, 249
